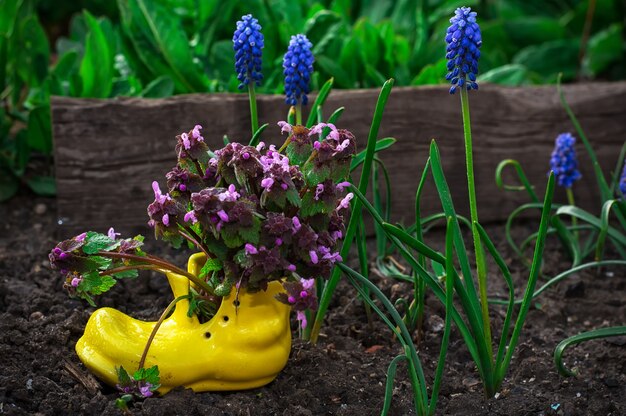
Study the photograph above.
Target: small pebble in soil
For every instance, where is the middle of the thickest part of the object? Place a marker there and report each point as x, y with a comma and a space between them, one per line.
35, 316
40, 209
611, 382
435, 323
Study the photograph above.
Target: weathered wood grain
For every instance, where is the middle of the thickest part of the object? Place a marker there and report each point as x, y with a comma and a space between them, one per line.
108, 152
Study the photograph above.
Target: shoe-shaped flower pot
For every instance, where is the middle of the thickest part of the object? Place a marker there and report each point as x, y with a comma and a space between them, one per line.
241, 347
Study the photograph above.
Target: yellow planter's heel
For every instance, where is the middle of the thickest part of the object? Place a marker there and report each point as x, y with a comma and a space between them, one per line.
240, 348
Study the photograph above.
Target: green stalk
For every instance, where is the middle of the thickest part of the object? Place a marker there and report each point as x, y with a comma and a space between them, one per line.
570, 201
481, 268
254, 118
164, 315
356, 208
299, 113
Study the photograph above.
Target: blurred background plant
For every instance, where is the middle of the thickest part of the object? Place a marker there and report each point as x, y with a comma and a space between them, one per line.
157, 48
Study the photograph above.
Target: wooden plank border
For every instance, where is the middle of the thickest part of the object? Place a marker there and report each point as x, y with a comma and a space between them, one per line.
107, 152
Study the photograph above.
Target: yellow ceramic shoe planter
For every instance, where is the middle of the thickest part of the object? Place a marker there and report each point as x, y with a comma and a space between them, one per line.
240, 348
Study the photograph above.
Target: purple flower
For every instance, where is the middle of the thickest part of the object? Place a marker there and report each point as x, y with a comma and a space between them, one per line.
250, 249
81, 237
223, 215
314, 258
318, 191
144, 389
345, 202
285, 127
76, 281
230, 194
317, 129
267, 183
111, 234
296, 224
191, 216
291, 267
301, 316
195, 133
342, 185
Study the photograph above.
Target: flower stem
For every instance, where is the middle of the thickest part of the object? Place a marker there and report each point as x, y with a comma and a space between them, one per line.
161, 265
571, 201
481, 268
190, 235
254, 119
164, 315
284, 146
299, 113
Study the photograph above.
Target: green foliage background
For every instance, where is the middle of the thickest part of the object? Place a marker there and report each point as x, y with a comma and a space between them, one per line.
157, 48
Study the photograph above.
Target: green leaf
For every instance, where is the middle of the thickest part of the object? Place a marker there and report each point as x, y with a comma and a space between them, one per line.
432, 74
149, 375
160, 41
513, 75
42, 185
96, 68
210, 265
550, 58
161, 87
126, 274
9, 184
33, 53
40, 130
530, 30
8, 17
604, 49
96, 242
123, 377
95, 284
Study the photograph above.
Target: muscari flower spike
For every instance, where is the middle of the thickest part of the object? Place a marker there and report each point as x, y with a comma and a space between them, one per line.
298, 64
463, 39
248, 44
622, 181
563, 161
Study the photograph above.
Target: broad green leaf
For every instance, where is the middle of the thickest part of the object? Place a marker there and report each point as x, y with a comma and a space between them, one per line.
322, 29
8, 17
96, 68
95, 284
210, 265
550, 58
40, 130
9, 184
32, 52
42, 185
604, 48
512, 75
162, 86
160, 41
66, 65
432, 74
96, 242
529, 30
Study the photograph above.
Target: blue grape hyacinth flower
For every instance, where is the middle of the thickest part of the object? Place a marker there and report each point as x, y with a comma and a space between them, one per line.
298, 65
622, 181
563, 162
463, 39
248, 44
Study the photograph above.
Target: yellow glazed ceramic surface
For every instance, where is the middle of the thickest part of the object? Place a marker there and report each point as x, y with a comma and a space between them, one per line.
240, 348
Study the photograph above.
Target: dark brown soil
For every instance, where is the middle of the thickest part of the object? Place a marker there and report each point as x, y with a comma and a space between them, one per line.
341, 375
